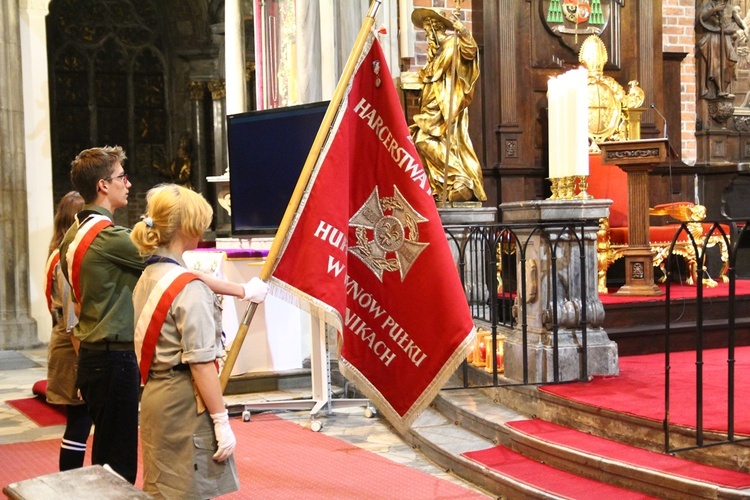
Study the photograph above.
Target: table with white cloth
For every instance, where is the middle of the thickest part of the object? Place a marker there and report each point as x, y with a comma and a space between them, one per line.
278, 338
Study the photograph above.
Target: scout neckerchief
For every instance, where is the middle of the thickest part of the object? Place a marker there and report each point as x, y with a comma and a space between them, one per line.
49, 273
87, 231
155, 310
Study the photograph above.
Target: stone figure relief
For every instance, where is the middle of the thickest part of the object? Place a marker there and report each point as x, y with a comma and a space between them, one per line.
722, 34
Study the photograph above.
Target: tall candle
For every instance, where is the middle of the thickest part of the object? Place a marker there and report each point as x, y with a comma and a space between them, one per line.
581, 126
553, 130
567, 97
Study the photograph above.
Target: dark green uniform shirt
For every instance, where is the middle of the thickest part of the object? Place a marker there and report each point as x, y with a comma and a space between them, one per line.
109, 271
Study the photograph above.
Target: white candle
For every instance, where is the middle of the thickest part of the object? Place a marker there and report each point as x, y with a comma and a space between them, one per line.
567, 98
581, 112
553, 131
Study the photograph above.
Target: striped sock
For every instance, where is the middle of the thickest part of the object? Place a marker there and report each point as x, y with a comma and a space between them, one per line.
71, 454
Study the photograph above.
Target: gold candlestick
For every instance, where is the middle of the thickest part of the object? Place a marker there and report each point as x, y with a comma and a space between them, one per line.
555, 188
568, 188
583, 184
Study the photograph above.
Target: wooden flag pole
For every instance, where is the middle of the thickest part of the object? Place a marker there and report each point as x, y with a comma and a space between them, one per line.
299, 189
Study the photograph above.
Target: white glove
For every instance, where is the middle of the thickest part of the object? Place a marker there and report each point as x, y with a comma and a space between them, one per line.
255, 290
224, 436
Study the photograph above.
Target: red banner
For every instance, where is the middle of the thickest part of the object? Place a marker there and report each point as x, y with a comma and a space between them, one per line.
367, 246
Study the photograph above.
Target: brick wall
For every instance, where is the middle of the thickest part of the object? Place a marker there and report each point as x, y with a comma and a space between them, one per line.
679, 36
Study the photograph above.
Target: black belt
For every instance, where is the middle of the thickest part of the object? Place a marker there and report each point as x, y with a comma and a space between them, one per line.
108, 346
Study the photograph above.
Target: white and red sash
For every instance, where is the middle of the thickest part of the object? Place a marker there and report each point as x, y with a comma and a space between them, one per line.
148, 326
49, 275
87, 231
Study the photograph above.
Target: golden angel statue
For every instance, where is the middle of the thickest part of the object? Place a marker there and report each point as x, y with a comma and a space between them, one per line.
447, 81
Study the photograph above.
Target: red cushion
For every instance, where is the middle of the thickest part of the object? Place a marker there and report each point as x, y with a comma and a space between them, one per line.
39, 388
609, 181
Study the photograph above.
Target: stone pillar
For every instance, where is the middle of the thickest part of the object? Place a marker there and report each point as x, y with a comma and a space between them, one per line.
543, 293
197, 92
36, 109
218, 96
17, 328
234, 53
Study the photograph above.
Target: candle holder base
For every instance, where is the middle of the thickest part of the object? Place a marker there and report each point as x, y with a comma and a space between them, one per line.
583, 184
555, 188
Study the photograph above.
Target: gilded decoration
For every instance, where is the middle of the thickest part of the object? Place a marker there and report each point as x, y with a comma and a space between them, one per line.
218, 89
609, 103
196, 90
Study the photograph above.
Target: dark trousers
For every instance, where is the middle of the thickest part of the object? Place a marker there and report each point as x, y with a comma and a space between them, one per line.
77, 430
110, 384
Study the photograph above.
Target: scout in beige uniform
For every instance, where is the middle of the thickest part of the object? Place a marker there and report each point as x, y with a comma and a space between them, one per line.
61, 353
187, 452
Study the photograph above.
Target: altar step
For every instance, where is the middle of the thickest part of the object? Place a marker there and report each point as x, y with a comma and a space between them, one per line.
462, 422
639, 327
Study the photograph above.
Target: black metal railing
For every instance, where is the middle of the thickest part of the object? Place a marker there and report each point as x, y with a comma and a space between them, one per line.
733, 237
494, 265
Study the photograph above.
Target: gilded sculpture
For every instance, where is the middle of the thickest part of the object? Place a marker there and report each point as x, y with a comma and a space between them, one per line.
442, 124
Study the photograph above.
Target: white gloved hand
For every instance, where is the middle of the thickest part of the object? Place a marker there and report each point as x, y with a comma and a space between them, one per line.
224, 436
255, 290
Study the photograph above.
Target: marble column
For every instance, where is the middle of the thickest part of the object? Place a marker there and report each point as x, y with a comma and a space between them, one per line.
221, 165
36, 110
555, 295
234, 53
17, 328
197, 92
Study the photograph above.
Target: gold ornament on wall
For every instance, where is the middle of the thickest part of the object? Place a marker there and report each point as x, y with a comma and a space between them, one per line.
611, 108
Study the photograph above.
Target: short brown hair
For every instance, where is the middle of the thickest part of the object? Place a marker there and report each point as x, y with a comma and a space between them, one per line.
93, 164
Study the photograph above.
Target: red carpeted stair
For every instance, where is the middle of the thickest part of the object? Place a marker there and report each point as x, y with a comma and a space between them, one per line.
545, 479
623, 464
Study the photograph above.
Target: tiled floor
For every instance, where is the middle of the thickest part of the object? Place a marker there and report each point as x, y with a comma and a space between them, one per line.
347, 424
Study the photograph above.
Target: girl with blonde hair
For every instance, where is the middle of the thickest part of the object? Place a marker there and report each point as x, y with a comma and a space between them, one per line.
187, 452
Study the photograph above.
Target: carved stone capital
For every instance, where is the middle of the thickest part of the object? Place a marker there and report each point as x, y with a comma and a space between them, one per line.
196, 89
218, 89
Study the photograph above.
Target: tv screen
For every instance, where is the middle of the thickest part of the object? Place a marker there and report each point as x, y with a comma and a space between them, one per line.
267, 150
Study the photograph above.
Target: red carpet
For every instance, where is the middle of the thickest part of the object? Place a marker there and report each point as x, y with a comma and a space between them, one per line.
542, 476
595, 446
639, 389
278, 459
38, 410
742, 287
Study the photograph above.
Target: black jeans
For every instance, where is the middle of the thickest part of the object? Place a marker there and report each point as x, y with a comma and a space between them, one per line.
110, 384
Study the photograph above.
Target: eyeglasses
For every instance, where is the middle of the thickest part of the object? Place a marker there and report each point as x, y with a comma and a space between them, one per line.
123, 177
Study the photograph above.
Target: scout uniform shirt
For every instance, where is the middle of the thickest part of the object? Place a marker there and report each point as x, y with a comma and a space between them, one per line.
109, 271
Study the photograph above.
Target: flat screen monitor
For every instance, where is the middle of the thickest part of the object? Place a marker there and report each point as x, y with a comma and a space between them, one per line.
267, 150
